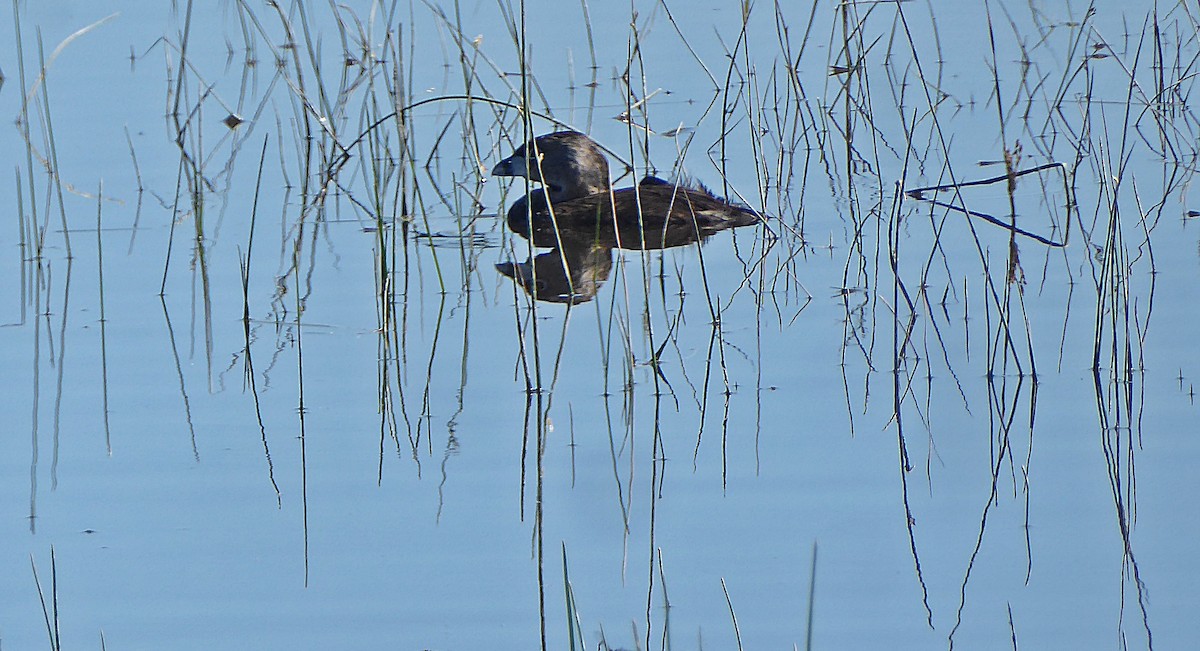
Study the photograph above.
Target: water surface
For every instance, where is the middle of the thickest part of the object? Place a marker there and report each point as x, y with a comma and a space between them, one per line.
318, 416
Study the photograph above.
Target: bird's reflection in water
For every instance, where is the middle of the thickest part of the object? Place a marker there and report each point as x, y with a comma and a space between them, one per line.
571, 274
581, 219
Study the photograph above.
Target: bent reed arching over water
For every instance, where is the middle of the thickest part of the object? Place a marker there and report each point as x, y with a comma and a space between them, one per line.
574, 173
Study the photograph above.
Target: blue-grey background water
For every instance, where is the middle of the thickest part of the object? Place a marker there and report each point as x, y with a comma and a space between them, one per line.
975, 443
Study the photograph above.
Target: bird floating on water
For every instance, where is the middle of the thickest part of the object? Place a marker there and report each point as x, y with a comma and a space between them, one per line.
576, 195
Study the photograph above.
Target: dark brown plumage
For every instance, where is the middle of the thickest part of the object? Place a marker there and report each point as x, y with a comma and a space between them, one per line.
576, 197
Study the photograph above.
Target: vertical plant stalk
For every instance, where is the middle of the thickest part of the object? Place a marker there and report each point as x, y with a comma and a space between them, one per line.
246, 331
55, 172
103, 317
49, 611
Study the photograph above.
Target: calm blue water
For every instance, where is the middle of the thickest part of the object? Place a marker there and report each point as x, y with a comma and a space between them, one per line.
407, 512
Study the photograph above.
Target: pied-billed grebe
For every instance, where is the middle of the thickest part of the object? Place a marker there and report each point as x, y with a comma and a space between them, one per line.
574, 175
